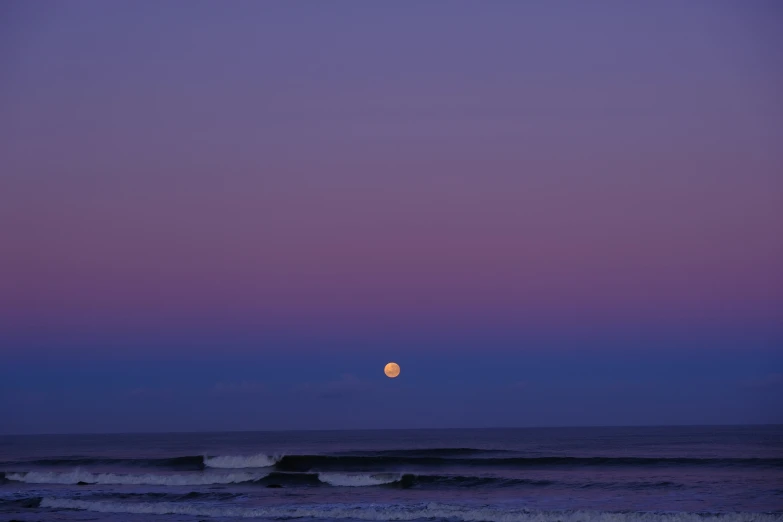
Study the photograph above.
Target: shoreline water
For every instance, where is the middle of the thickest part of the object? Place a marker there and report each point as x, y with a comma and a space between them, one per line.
730, 473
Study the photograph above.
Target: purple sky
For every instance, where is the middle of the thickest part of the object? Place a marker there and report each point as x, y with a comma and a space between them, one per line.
529, 205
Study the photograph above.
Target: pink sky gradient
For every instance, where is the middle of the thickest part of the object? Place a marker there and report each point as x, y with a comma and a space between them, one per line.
508, 167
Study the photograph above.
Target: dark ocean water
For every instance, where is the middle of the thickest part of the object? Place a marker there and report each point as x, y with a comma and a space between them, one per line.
537, 475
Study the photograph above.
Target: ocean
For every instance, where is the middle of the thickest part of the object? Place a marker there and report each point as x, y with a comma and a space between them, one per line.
676, 474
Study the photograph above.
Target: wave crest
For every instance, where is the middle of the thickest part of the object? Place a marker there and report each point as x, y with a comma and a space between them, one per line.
356, 480
242, 461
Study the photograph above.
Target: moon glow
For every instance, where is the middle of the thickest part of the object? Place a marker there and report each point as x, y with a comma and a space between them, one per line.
392, 370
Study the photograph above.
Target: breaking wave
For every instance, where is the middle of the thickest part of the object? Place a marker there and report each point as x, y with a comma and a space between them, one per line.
342, 479
84, 477
241, 461
454, 512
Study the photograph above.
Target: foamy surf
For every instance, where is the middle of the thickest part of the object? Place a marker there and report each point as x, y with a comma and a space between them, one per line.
241, 461
356, 480
77, 476
461, 513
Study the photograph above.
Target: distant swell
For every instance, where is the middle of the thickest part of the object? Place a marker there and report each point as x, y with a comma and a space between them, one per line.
79, 476
427, 452
304, 463
396, 512
188, 463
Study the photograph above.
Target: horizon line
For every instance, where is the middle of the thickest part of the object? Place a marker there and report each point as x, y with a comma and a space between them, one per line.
307, 430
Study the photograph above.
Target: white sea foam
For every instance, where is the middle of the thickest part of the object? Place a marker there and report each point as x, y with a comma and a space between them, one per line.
357, 479
397, 512
241, 461
76, 476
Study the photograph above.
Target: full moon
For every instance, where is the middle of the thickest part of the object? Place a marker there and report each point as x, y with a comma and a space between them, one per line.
392, 370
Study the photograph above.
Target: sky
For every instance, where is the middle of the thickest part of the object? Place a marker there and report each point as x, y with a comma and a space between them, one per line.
231, 215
